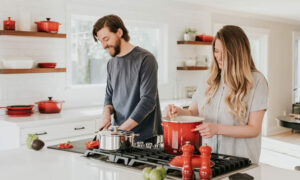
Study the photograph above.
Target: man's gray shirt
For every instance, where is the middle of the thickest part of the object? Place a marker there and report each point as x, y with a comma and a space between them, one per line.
132, 91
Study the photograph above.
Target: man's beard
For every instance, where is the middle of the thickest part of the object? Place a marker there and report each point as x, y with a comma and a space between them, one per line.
117, 48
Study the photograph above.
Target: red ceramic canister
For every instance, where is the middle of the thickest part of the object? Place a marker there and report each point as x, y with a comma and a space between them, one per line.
9, 24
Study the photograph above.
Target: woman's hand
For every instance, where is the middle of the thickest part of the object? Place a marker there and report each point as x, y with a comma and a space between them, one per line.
207, 130
171, 111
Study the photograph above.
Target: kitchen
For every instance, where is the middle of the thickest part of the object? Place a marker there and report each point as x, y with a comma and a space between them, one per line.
83, 99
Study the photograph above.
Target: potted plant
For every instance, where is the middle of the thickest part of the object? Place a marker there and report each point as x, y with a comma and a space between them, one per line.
189, 34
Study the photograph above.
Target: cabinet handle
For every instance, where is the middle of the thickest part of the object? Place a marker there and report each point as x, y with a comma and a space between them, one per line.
39, 134
79, 128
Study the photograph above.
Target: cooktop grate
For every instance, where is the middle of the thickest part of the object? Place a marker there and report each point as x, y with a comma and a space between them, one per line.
140, 158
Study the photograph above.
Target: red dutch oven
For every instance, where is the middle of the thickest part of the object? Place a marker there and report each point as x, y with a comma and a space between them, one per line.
47, 26
50, 106
178, 131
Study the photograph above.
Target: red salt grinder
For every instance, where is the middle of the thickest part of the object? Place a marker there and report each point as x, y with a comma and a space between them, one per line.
187, 153
205, 155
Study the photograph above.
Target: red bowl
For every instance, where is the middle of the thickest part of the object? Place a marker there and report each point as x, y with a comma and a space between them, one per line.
46, 65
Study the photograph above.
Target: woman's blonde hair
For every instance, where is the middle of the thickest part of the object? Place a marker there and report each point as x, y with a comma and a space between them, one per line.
236, 71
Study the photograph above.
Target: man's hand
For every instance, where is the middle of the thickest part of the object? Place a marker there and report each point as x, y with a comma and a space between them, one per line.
106, 117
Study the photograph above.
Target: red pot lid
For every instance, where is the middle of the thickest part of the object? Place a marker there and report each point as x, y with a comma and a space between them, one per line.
196, 162
50, 101
48, 20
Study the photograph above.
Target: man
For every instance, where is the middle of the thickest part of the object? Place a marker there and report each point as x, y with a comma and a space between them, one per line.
131, 90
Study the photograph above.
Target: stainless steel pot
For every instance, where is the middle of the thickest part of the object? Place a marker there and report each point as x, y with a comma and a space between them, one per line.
114, 140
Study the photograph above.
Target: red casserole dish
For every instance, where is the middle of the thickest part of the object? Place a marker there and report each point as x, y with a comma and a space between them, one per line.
46, 65
47, 26
50, 106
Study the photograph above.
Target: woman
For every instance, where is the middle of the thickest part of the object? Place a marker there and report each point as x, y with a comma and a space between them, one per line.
233, 100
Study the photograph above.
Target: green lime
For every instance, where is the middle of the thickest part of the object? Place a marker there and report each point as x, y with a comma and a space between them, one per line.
155, 174
146, 173
162, 171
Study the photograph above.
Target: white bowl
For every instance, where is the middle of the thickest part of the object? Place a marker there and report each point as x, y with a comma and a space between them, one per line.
190, 62
17, 64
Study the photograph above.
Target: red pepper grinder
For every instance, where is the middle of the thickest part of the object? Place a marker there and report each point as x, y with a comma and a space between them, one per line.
187, 169
205, 170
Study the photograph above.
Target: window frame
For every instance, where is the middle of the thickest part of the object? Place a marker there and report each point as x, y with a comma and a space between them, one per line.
296, 36
162, 51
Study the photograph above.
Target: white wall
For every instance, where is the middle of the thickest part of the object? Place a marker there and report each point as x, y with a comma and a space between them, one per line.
20, 89
176, 17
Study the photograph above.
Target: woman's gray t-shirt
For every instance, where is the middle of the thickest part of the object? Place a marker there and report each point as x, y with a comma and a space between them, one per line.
218, 112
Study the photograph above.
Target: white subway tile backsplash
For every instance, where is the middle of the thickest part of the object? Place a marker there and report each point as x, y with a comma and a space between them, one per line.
29, 88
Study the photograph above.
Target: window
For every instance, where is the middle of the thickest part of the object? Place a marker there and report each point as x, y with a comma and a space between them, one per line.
297, 67
258, 45
89, 59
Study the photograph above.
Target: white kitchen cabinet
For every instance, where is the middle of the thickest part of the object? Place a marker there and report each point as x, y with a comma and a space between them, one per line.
70, 125
60, 131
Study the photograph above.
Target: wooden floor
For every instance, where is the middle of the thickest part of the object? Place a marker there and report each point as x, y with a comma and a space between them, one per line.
281, 150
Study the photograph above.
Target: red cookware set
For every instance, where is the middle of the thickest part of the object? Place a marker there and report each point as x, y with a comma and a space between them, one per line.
47, 106
42, 26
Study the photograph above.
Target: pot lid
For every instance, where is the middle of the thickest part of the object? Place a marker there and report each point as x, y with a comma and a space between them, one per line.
183, 119
114, 131
110, 133
50, 101
48, 20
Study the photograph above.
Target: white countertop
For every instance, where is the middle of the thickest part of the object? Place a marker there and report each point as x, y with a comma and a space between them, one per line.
66, 115
49, 164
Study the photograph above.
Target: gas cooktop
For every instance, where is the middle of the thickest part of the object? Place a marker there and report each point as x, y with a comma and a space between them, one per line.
140, 158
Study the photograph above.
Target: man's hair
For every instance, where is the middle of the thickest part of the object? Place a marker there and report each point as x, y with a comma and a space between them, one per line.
113, 22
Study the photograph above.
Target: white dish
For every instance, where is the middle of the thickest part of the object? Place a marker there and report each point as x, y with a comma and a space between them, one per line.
17, 64
190, 62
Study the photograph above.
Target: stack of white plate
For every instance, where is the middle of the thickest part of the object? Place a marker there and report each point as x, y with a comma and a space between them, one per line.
17, 63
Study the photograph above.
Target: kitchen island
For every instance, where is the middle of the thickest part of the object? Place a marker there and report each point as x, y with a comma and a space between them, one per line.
48, 164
